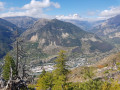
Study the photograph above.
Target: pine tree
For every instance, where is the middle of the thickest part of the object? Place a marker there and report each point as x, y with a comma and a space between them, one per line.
8, 65
60, 72
115, 85
43, 73
88, 73
45, 81
106, 86
61, 67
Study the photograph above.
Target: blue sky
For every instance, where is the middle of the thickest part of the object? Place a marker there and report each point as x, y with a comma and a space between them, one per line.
61, 9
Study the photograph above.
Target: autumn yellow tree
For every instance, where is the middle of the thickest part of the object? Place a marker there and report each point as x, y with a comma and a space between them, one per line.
45, 81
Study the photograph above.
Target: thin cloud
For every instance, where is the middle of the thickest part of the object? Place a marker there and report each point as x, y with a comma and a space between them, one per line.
74, 16
40, 4
36, 8
91, 13
33, 9
98, 15
1, 6
113, 11
77, 17
56, 5
32, 13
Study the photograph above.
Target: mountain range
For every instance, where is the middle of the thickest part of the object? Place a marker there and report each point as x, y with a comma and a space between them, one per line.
48, 36
23, 22
109, 29
55, 33
85, 25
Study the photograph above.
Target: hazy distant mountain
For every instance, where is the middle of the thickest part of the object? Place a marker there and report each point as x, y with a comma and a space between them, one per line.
85, 25
7, 36
109, 29
108, 26
52, 35
23, 22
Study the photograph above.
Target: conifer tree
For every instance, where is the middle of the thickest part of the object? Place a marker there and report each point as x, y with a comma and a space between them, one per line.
60, 72
43, 73
88, 73
45, 81
61, 67
8, 65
